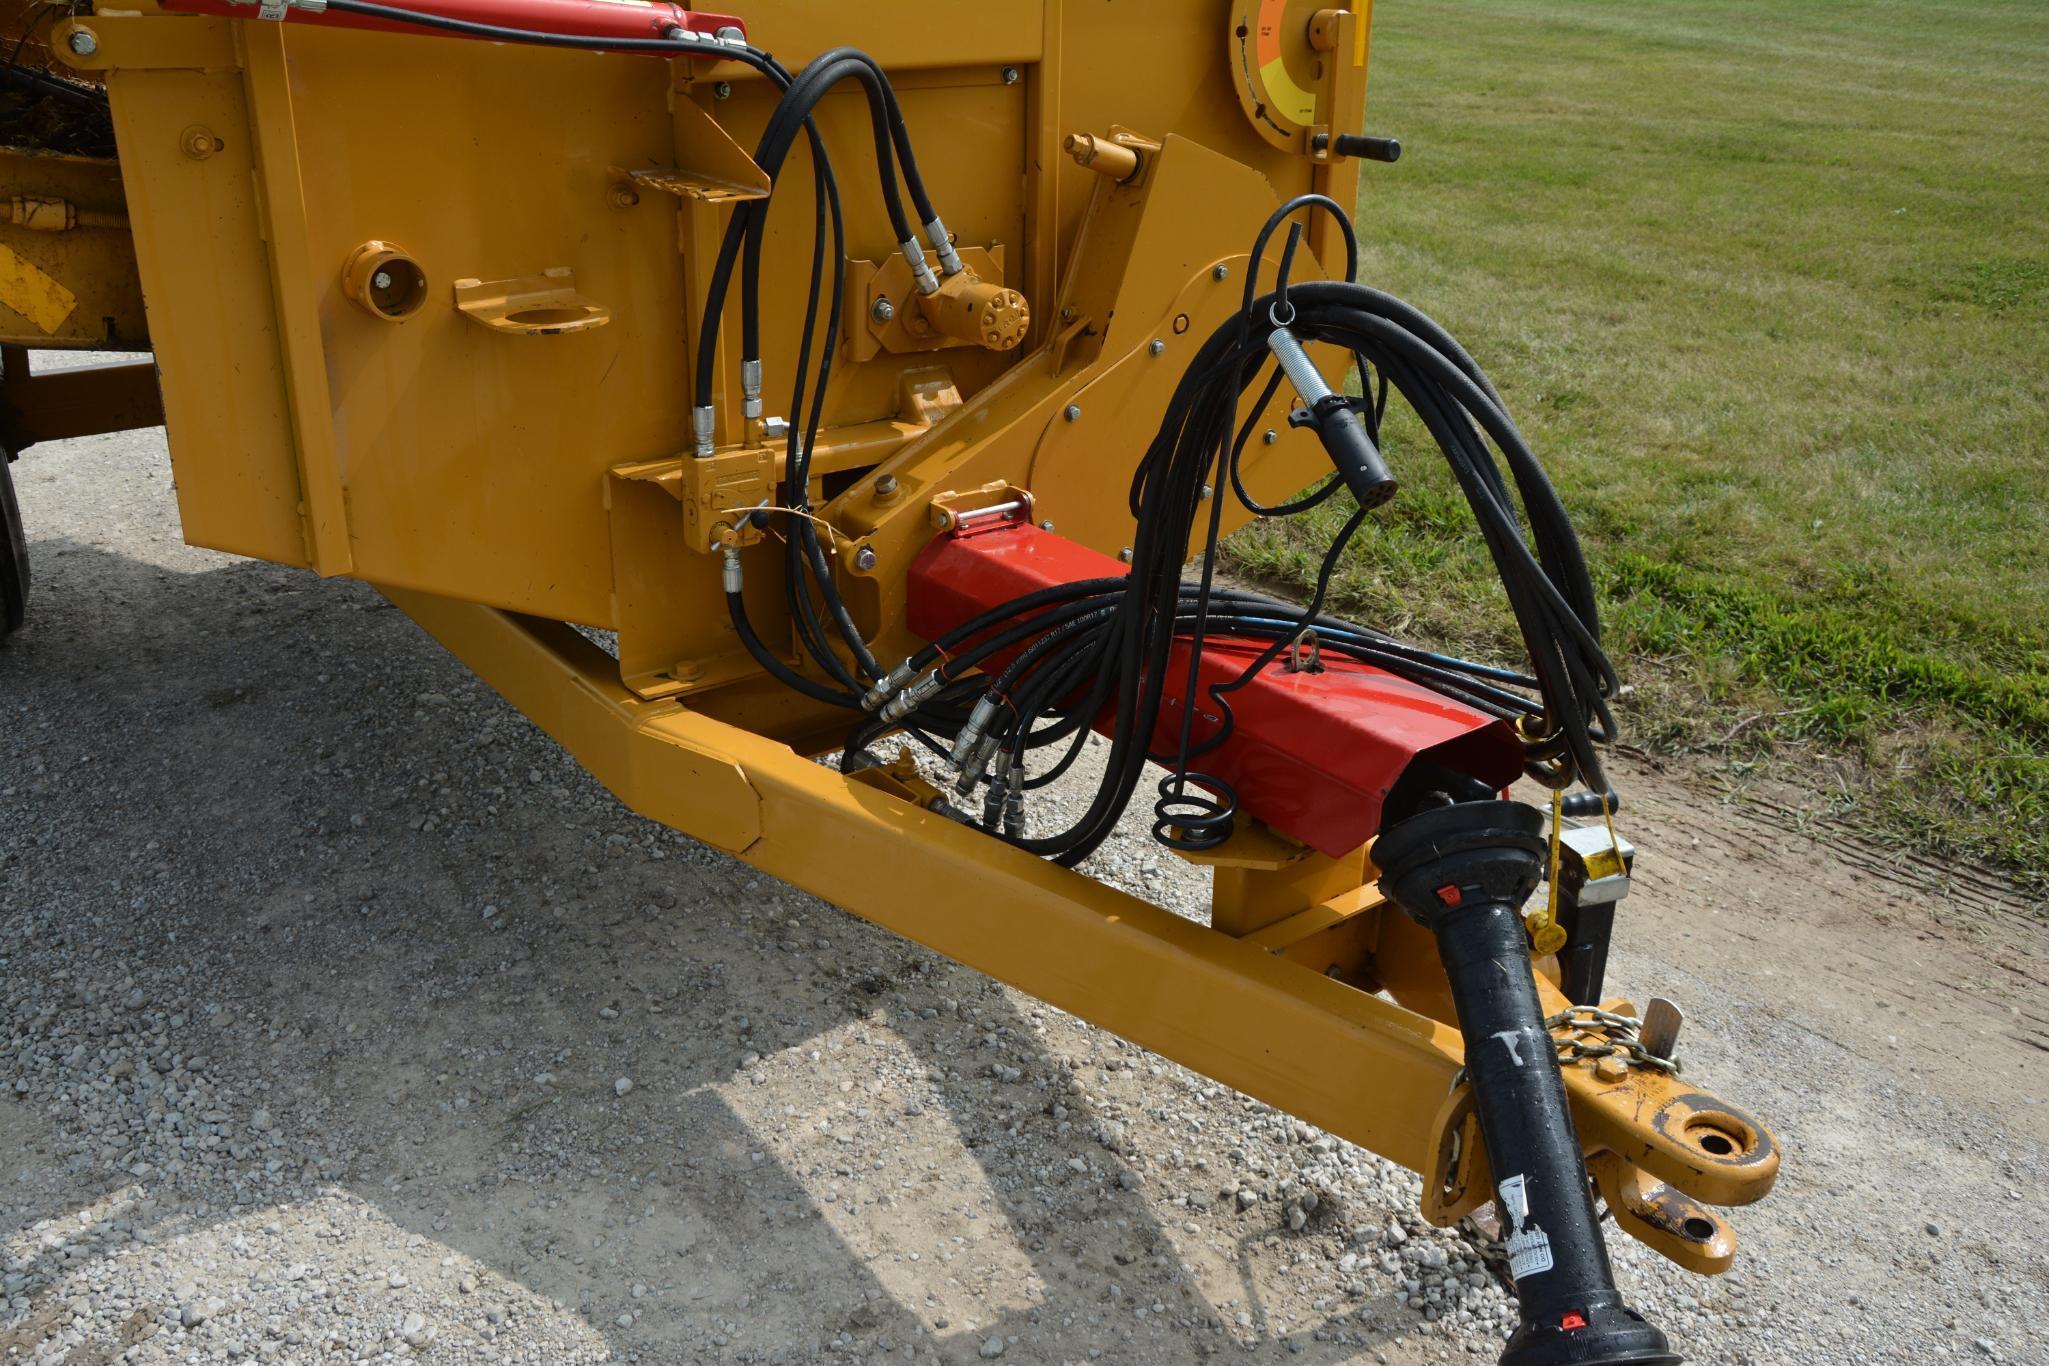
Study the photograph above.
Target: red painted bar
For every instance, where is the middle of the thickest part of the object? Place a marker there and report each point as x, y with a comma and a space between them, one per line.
582, 18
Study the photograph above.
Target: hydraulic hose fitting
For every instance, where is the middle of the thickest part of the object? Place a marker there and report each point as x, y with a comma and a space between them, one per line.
942, 246
1344, 438
978, 721
921, 269
704, 421
978, 763
1013, 805
911, 698
992, 799
1463, 872
731, 573
750, 388
888, 684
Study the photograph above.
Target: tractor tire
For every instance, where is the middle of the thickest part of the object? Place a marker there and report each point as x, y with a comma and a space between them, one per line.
13, 555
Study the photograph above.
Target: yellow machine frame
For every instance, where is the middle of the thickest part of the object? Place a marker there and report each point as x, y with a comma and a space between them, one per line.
507, 456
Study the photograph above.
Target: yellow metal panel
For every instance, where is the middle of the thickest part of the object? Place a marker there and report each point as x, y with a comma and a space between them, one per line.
199, 245
907, 35
474, 461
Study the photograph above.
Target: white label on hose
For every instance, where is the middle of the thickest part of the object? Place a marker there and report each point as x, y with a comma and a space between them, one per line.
1529, 1253
1508, 1038
1529, 1247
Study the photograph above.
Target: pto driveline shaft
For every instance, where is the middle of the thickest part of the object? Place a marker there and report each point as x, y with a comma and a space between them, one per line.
1464, 871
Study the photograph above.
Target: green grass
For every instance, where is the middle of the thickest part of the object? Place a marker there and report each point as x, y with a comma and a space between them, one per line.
1767, 285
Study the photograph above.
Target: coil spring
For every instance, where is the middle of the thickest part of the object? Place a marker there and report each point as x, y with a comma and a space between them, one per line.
1190, 820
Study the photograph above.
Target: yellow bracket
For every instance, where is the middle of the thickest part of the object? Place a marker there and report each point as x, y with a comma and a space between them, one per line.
530, 305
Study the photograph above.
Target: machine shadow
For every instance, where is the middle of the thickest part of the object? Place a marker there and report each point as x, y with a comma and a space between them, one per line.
482, 1003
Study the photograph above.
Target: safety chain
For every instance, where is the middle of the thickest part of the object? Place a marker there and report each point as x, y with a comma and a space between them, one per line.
1618, 1038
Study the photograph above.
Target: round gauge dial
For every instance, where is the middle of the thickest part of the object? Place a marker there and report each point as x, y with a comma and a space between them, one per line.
1274, 68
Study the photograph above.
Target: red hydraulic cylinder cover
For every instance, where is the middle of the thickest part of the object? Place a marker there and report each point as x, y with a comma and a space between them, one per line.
579, 18
1313, 753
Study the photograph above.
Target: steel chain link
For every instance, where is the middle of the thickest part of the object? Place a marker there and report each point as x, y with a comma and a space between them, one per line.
1618, 1036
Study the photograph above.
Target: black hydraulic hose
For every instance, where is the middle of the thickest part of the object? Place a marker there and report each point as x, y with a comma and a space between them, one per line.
950, 642
736, 606
793, 113
1100, 650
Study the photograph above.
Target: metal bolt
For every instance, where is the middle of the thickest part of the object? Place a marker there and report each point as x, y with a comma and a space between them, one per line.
83, 42
1220, 273
622, 196
1206, 492
864, 559
198, 143
885, 487
1010, 75
1067, 314
731, 33
1269, 436
1611, 1069
1073, 413
724, 90
883, 310
381, 280
1125, 554
1157, 347
1045, 526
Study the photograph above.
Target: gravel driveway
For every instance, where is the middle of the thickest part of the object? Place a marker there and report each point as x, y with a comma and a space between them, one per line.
343, 1018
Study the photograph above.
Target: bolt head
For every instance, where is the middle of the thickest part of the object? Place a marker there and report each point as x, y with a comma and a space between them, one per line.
1611, 1069
1010, 75
381, 280
885, 487
1125, 554
1220, 273
883, 310
731, 33
1269, 436
722, 91
1073, 413
864, 559
1157, 347
1045, 526
83, 42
